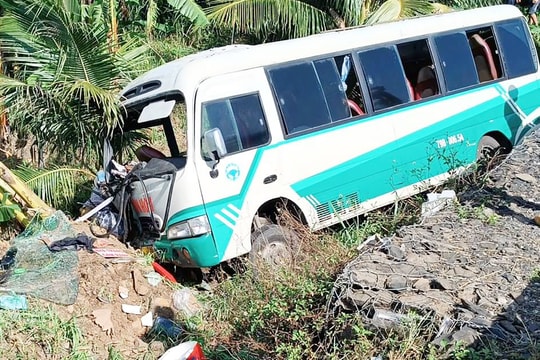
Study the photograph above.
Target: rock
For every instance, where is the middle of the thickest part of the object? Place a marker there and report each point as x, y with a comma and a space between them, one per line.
139, 283
395, 253
396, 283
364, 279
422, 284
442, 284
527, 178
465, 336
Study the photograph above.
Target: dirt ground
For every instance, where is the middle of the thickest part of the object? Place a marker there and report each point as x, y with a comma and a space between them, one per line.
105, 284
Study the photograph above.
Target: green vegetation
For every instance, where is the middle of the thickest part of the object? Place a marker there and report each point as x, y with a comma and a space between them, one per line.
40, 334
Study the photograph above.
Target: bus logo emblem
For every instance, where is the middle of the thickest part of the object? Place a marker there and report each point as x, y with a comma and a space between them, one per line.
232, 171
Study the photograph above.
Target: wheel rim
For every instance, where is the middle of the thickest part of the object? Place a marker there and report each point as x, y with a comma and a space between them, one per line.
276, 254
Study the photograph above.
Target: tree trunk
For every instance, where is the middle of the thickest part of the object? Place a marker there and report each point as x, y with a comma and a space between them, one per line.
30, 199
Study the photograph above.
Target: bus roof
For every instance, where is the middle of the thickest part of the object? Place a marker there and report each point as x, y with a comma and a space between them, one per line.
186, 73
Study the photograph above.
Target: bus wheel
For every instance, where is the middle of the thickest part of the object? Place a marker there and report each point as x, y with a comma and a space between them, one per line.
273, 247
490, 152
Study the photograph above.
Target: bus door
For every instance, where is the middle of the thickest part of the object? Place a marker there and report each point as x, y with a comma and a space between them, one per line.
234, 104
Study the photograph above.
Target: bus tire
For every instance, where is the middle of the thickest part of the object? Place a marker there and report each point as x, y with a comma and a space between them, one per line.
488, 148
273, 247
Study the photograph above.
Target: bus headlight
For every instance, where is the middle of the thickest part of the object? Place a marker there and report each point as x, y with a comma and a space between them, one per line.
189, 228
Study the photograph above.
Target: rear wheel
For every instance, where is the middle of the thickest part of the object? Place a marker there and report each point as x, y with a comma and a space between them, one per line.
274, 247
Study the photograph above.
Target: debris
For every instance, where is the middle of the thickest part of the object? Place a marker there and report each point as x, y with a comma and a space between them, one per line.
163, 272
111, 253
81, 241
148, 319
190, 350
102, 317
131, 309
13, 302
537, 220
165, 327
123, 292
386, 319
185, 301
437, 201
153, 278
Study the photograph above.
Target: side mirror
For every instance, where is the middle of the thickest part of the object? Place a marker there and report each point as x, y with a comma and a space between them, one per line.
215, 144
213, 140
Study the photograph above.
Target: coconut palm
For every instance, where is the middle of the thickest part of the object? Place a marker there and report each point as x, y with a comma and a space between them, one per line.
294, 18
63, 73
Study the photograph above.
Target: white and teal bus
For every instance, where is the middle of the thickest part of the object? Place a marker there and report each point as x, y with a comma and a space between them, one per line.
331, 126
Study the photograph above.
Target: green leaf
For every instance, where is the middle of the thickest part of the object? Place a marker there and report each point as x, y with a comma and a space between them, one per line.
7, 211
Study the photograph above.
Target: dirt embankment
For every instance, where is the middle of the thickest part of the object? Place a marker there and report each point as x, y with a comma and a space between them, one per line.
471, 269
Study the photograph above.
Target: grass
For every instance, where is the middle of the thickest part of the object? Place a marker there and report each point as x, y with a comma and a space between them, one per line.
274, 315
40, 333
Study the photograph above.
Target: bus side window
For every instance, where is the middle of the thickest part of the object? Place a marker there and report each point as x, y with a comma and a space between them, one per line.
241, 122
516, 49
300, 97
485, 55
419, 68
350, 84
456, 61
387, 83
250, 119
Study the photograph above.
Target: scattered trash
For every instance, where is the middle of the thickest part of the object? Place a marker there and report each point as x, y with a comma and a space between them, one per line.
131, 309
153, 278
81, 241
111, 253
385, 319
163, 272
190, 350
102, 317
185, 301
148, 320
123, 292
437, 201
13, 302
204, 286
7, 263
165, 327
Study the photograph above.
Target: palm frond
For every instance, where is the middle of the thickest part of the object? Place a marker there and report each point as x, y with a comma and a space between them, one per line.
295, 17
55, 186
392, 10
191, 10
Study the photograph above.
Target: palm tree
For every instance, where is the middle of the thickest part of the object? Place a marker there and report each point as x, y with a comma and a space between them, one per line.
295, 18
63, 73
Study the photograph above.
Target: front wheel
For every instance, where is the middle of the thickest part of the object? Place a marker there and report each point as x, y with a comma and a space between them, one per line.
274, 247
490, 152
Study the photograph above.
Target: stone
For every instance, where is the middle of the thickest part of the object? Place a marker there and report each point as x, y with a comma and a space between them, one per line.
466, 336
396, 283
357, 298
526, 177
364, 279
139, 283
422, 284
395, 253
443, 284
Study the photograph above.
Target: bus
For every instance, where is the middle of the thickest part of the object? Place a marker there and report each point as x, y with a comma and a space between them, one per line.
328, 126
